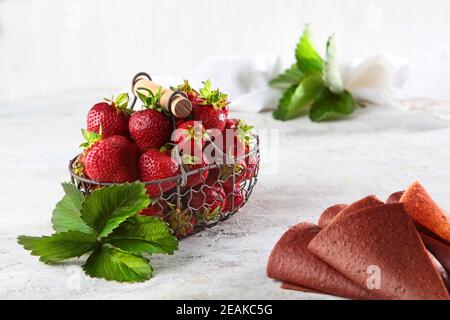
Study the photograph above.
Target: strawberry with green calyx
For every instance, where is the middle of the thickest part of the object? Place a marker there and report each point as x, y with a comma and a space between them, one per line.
110, 159
192, 94
237, 137
157, 208
211, 108
182, 222
192, 163
207, 199
238, 198
155, 164
227, 171
151, 127
190, 136
112, 115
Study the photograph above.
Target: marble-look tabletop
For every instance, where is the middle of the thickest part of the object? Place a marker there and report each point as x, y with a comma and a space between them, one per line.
312, 166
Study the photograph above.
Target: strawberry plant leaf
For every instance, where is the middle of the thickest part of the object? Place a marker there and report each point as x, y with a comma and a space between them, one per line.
297, 99
308, 60
143, 234
66, 215
330, 105
112, 263
59, 246
105, 209
290, 77
332, 73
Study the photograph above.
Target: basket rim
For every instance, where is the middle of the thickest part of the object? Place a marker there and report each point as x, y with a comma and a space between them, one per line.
254, 150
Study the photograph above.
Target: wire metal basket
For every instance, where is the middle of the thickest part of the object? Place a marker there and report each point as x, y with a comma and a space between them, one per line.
196, 199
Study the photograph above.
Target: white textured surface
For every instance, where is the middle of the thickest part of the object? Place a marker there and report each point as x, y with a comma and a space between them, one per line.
380, 151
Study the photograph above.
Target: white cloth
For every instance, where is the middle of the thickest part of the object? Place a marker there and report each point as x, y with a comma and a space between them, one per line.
380, 79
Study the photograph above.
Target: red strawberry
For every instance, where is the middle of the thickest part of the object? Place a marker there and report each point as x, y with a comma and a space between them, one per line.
182, 222
110, 117
211, 108
252, 163
111, 159
237, 138
190, 137
157, 208
192, 163
191, 93
150, 128
156, 165
238, 199
228, 171
208, 200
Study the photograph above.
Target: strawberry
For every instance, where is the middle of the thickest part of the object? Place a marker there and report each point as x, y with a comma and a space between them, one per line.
111, 116
156, 165
190, 137
150, 128
192, 94
238, 199
208, 200
182, 222
237, 137
192, 163
157, 208
211, 107
110, 159
227, 171
251, 161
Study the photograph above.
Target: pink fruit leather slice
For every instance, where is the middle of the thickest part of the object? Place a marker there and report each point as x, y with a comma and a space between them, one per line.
395, 197
291, 262
290, 286
329, 213
439, 249
342, 210
422, 208
381, 238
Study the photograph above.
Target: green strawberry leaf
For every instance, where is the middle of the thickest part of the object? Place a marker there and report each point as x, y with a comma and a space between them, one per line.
308, 60
290, 77
298, 98
332, 74
330, 106
91, 138
59, 246
215, 98
112, 263
105, 209
142, 234
66, 215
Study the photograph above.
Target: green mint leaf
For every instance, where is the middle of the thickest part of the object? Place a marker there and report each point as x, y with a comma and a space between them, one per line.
332, 72
66, 215
112, 263
308, 60
330, 106
288, 78
142, 234
59, 246
105, 209
297, 99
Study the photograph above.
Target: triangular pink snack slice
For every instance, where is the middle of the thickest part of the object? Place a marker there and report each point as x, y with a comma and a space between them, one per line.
380, 243
290, 261
329, 213
290, 286
439, 249
395, 197
366, 202
422, 208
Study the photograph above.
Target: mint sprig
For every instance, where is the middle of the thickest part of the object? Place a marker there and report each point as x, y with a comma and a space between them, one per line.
106, 225
313, 85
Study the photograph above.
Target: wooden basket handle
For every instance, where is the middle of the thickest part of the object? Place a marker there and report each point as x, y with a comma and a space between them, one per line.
179, 106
